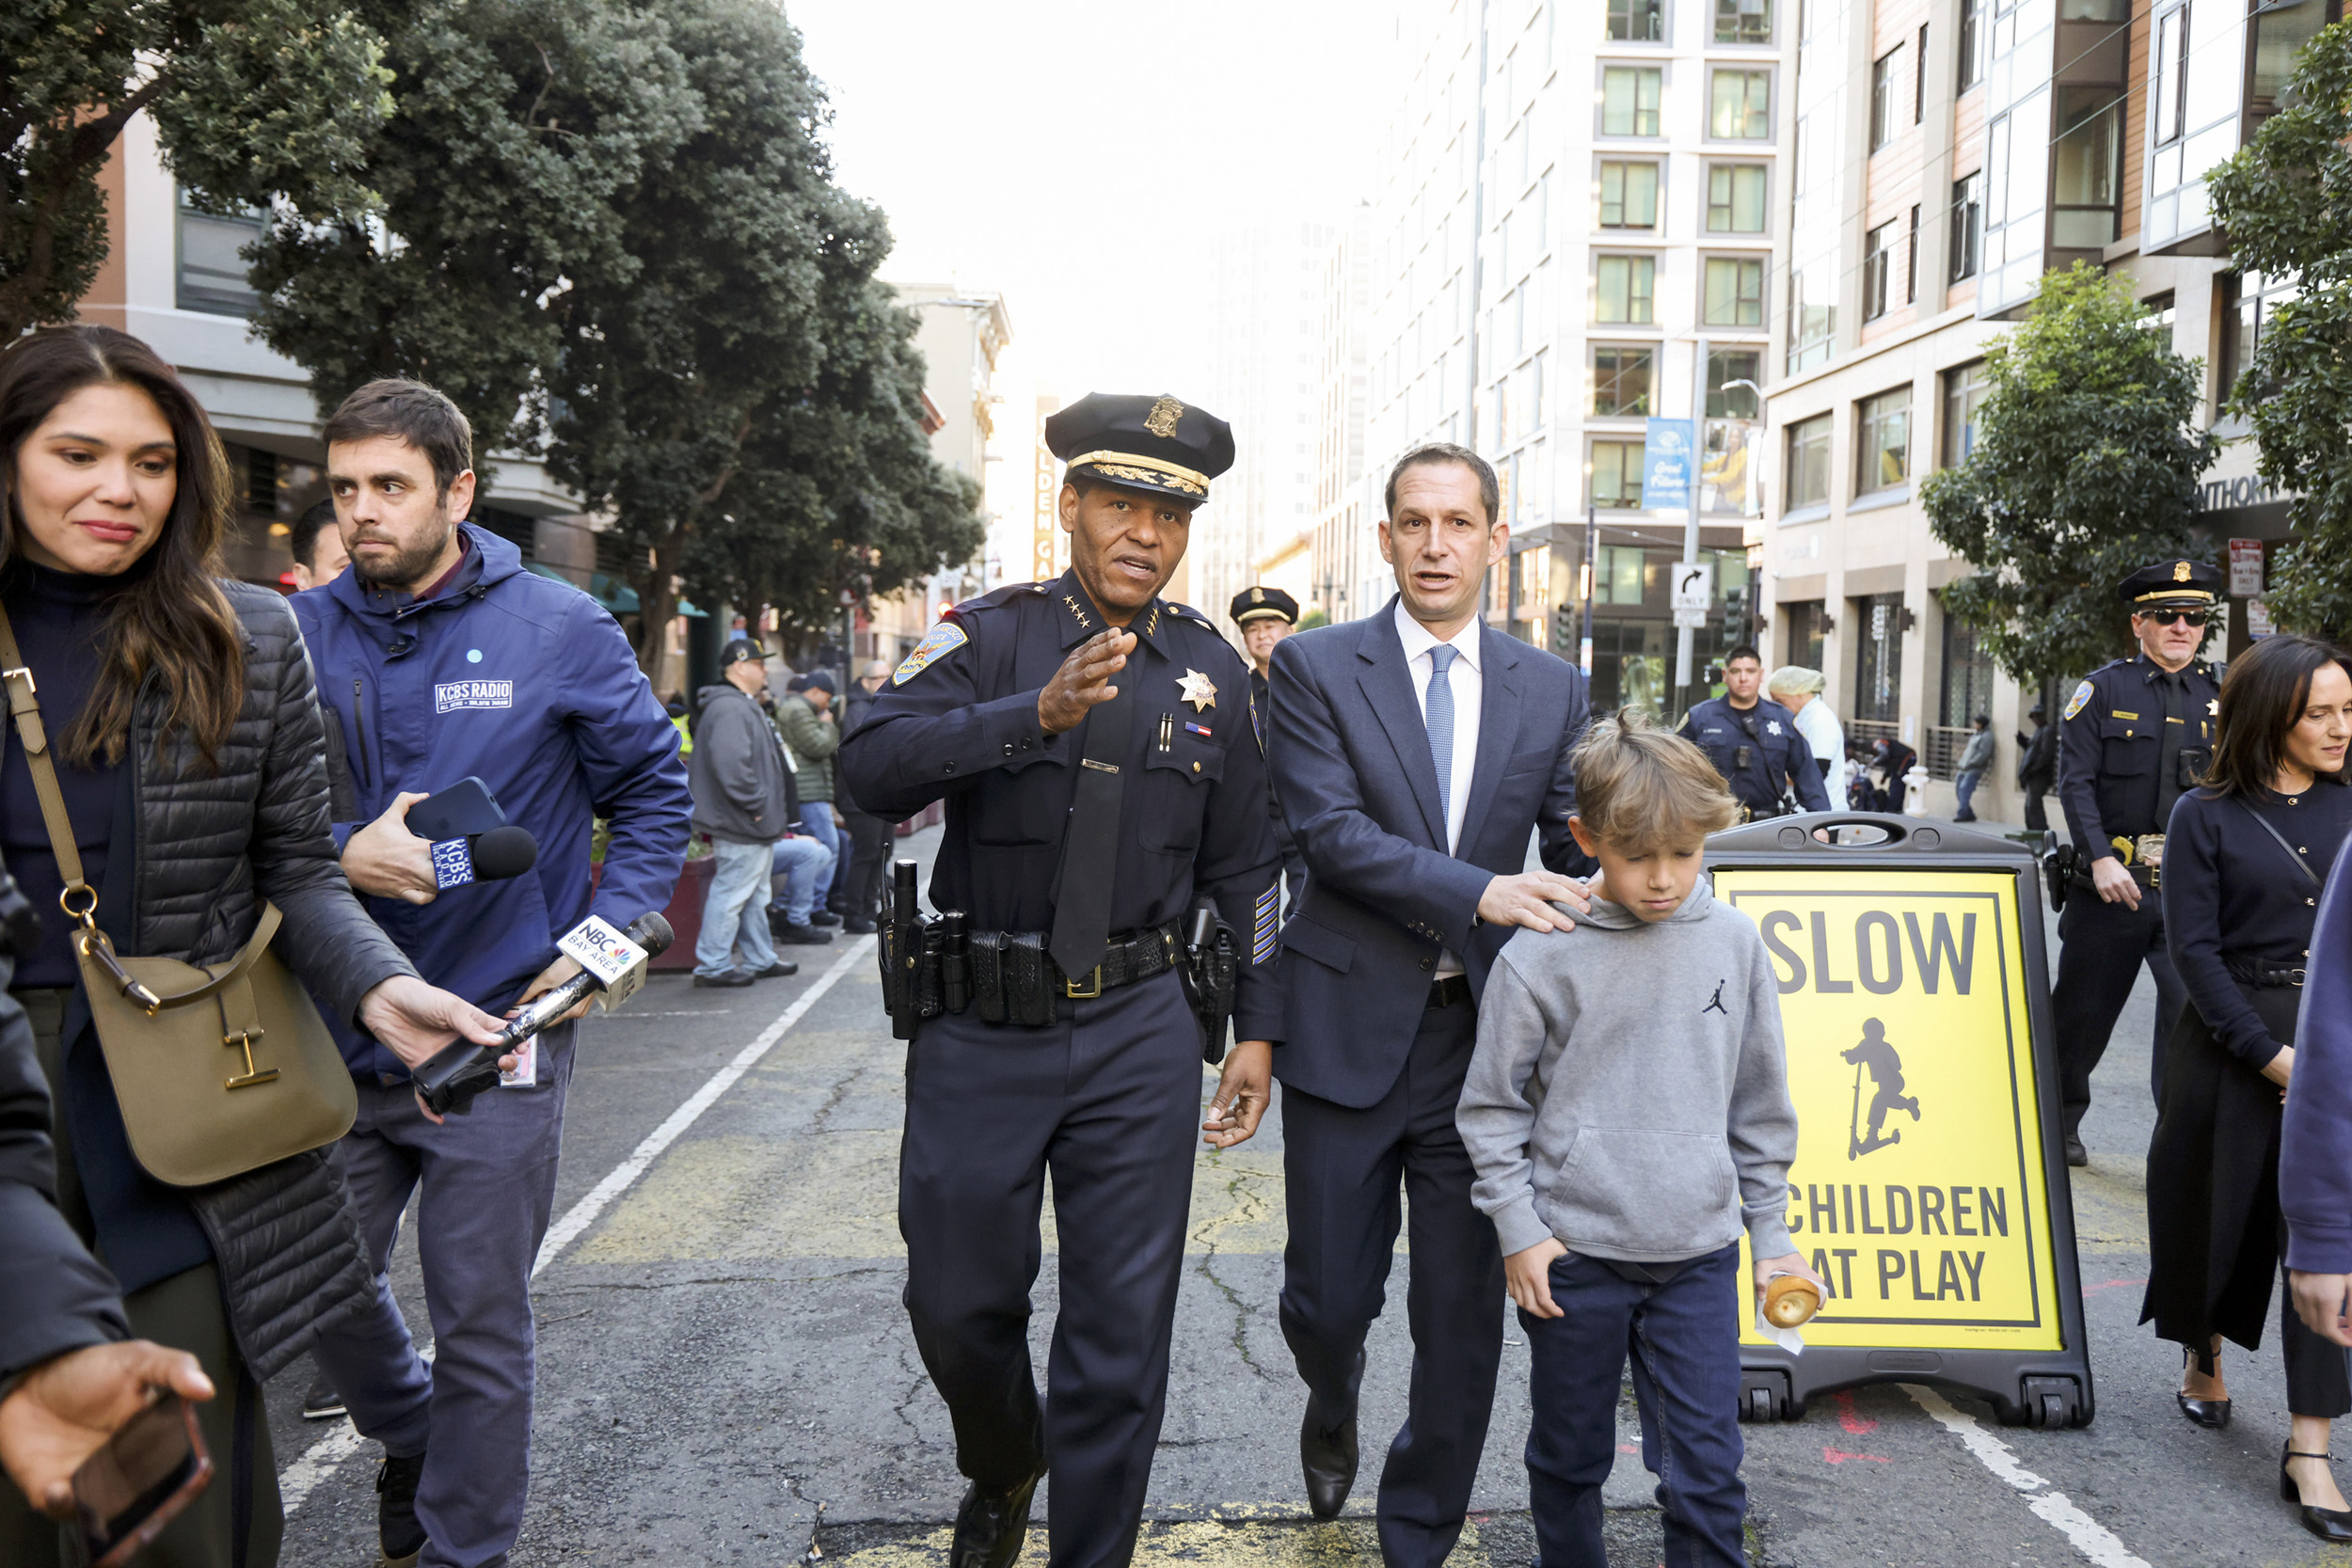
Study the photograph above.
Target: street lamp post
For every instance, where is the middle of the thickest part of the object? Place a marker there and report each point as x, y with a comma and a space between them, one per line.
1684, 675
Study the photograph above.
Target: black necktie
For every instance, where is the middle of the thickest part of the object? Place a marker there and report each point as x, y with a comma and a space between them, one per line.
1089, 850
2175, 699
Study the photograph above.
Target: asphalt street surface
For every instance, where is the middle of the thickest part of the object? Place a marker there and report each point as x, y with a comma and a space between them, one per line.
722, 1353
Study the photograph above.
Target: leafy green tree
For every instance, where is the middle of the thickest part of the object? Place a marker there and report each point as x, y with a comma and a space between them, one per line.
2083, 470
256, 102
2285, 201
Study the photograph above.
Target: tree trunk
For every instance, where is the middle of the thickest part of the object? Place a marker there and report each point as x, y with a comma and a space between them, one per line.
657, 606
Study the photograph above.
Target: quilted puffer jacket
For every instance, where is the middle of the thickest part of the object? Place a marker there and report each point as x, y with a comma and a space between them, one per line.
210, 845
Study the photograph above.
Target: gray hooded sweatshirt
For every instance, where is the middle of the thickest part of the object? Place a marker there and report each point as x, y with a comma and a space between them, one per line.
1629, 1095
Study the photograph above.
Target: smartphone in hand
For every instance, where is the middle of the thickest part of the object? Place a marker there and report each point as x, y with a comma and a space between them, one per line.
147, 1472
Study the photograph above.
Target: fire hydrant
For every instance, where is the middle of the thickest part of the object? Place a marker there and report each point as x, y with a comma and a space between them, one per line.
1915, 791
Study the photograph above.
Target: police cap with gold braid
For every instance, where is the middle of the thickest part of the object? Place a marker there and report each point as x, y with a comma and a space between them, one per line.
2173, 585
1142, 443
1258, 603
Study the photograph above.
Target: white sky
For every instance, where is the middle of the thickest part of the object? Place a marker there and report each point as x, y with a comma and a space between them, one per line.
1077, 157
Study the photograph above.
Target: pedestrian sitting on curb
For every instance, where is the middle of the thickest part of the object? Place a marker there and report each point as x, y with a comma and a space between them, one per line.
1640, 1253
2246, 854
743, 800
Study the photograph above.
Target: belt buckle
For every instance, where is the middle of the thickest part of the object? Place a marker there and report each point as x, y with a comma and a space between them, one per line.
1069, 988
2295, 976
2148, 847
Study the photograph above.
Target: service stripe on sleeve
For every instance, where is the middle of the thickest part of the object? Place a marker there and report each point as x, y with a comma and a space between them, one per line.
1269, 902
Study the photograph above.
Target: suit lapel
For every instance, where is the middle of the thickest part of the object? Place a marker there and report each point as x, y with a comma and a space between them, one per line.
1388, 684
1498, 723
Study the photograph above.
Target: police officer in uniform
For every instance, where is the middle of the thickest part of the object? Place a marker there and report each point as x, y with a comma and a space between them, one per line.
2133, 737
1266, 616
1753, 742
1095, 745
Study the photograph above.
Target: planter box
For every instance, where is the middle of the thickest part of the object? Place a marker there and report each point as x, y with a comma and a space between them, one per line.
685, 914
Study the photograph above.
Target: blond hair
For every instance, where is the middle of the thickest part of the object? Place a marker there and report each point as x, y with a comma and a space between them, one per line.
1640, 788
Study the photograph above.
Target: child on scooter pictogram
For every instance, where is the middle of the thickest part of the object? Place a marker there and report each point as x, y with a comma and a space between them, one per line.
1886, 1072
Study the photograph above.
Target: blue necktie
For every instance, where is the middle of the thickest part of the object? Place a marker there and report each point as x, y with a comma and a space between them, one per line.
1439, 708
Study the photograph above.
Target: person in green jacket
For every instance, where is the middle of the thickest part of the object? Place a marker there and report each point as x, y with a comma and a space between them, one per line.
812, 732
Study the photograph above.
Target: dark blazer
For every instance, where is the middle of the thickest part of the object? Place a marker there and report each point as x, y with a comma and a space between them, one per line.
1350, 760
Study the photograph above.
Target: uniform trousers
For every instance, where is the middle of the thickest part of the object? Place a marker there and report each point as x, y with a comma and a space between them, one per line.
1683, 1336
2102, 947
1343, 1169
1108, 1099
488, 1181
860, 896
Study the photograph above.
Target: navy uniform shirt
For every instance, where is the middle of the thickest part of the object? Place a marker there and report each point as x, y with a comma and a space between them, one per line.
2122, 745
2230, 891
1776, 752
958, 723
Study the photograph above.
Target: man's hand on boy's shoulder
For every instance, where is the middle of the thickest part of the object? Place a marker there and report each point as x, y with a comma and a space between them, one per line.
1527, 1274
1528, 899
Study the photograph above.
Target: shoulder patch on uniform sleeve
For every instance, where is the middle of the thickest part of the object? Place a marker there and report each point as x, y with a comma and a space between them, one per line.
2083, 694
942, 639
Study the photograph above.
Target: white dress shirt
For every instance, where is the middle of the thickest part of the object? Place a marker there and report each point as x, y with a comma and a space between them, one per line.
1468, 685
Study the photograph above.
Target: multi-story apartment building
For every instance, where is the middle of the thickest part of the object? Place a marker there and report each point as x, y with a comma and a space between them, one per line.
1339, 573
1947, 152
1575, 239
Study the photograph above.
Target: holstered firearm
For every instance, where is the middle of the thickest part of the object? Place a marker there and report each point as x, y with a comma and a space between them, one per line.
2058, 871
1211, 973
902, 952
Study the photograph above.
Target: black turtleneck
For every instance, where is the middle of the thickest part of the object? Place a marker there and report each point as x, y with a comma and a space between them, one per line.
58, 619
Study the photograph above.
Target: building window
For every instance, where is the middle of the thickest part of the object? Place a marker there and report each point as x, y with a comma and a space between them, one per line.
1617, 474
1808, 635
2087, 173
1884, 72
1884, 444
1877, 265
1735, 291
1744, 21
1967, 225
212, 277
2248, 301
1626, 285
1623, 574
1629, 100
1971, 45
2167, 72
1879, 673
1812, 313
1637, 21
1621, 382
1919, 79
1967, 675
1728, 365
1963, 391
1911, 259
1629, 196
1735, 199
1741, 108
1808, 462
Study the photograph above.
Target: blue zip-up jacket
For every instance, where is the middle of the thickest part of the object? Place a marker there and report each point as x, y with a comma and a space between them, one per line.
529, 685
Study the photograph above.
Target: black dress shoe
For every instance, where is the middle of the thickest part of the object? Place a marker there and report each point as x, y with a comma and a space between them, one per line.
992, 1524
396, 1528
2075, 1153
858, 925
2212, 1414
823, 917
322, 1403
2329, 1524
777, 971
1327, 1455
726, 979
789, 935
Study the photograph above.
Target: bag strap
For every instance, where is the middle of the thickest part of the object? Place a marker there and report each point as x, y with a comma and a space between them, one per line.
25, 709
2300, 864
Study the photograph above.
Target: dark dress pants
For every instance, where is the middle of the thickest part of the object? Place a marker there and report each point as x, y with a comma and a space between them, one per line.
2102, 947
1684, 1338
1108, 1100
1343, 1169
859, 894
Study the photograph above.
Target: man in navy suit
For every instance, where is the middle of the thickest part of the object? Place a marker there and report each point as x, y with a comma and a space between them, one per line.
1413, 752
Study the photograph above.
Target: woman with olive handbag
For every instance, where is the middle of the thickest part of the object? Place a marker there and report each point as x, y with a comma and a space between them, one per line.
163, 802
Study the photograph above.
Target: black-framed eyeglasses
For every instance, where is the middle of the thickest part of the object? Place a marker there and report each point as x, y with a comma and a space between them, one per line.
2167, 617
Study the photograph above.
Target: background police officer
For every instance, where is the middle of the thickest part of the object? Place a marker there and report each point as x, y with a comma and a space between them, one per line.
1753, 742
2134, 736
1266, 616
1095, 747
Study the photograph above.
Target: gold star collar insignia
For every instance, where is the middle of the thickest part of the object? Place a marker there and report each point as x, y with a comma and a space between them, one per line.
1194, 688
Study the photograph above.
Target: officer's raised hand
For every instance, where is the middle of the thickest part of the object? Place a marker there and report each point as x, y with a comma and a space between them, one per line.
1243, 1089
1082, 680
2114, 884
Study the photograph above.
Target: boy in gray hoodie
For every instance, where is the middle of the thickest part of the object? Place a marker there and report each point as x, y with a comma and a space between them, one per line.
1628, 1112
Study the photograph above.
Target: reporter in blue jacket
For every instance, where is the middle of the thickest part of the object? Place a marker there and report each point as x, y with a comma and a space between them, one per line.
439, 656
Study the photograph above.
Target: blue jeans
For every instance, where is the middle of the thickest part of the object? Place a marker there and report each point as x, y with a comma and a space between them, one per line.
490, 1184
1965, 787
816, 818
1684, 1338
806, 865
734, 911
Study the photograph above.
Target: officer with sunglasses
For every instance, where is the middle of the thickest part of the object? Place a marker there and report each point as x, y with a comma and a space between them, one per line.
2134, 736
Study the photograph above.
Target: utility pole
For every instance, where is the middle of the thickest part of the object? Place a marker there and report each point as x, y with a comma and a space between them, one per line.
1592, 586
1684, 675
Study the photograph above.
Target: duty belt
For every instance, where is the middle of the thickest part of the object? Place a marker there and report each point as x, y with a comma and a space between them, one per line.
1015, 980
2262, 972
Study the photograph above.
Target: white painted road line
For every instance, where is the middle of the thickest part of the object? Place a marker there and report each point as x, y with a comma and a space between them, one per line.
2088, 1536
297, 1480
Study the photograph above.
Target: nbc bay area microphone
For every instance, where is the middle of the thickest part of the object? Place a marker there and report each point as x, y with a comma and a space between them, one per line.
612, 962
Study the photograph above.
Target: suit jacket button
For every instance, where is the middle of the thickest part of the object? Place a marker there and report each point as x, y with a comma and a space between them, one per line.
1428, 963
1007, 747
946, 767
